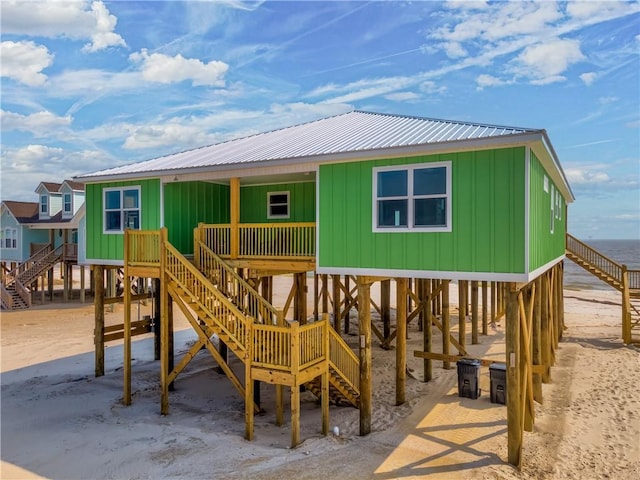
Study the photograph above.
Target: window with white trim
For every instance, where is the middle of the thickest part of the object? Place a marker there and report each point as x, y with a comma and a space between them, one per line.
552, 202
121, 209
278, 204
10, 238
44, 204
67, 204
412, 198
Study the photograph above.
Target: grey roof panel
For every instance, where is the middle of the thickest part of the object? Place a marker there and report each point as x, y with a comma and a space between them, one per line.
350, 132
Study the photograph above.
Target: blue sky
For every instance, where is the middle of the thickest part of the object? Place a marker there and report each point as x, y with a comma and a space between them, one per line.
89, 84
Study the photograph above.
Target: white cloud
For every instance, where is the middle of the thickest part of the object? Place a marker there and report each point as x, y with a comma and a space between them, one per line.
24, 61
588, 78
166, 134
454, 50
164, 69
403, 96
365, 88
548, 60
485, 80
74, 19
31, 157
583, 176
39, 124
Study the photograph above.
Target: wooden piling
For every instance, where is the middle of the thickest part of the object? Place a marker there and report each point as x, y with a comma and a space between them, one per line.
401, 339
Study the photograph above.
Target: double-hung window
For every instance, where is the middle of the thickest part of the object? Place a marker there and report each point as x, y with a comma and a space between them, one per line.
44, 204
66, 203
412, 198
10, 238
121, 209
278, 205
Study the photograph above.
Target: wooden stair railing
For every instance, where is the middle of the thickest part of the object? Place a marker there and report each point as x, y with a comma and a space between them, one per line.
41, 265
595, 262
209, 302
614, 274
11, 275
227, 280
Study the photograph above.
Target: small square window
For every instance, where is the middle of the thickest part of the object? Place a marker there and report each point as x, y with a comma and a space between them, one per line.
278, 205
67, 206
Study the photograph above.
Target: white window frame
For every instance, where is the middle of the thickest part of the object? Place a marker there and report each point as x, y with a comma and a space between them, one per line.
44, 204
269, 205
552, 202
11, 236
64, 203
122, 210
410, 197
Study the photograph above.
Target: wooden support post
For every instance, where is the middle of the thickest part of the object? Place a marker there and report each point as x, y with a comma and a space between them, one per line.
335, 281
445, 324
157, 305
537, 339
82, 282
295, 389
325, 293
98, 330
164, 329
514, 393
385, 307
325, 375
50, 274
427, 333
316, 298
626, 307
474, 313
494, 299
170, 339
364, 322
347, 314
545, 331
127, 324
485, 322
300, 298
234, 199
401, 339
248, 383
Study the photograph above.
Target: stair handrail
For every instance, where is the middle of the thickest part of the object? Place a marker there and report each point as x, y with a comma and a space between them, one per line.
24, 293
596, 259
5, 296
40, 265
218, 307
343, 361
256, 305
11, 275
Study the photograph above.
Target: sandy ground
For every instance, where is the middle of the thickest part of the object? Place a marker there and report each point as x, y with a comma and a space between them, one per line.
59, 421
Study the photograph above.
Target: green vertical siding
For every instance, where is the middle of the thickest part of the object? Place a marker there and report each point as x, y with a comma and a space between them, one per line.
544, 245
302, 202
188, 203
488, 217
102, 246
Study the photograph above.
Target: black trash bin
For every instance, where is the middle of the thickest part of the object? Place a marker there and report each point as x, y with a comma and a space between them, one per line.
498, 376
468, 378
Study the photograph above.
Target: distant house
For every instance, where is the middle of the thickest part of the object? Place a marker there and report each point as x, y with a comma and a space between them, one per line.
40, 233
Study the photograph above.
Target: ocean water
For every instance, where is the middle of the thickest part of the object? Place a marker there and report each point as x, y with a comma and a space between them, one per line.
626, 252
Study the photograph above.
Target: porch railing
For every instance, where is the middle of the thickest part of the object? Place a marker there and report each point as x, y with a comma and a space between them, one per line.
143, 247
284, 241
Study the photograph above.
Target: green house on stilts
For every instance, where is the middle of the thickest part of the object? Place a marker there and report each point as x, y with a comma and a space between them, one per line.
361, 197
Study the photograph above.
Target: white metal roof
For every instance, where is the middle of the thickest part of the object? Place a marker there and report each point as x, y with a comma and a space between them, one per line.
356, 133
349, 132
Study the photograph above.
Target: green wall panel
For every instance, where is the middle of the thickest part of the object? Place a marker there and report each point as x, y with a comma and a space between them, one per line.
188, 203
488, 217
302, 202
545, 245
110, 247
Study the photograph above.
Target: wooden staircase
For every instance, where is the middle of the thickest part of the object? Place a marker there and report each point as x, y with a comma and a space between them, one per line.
343, 363
615, 275
16, 284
